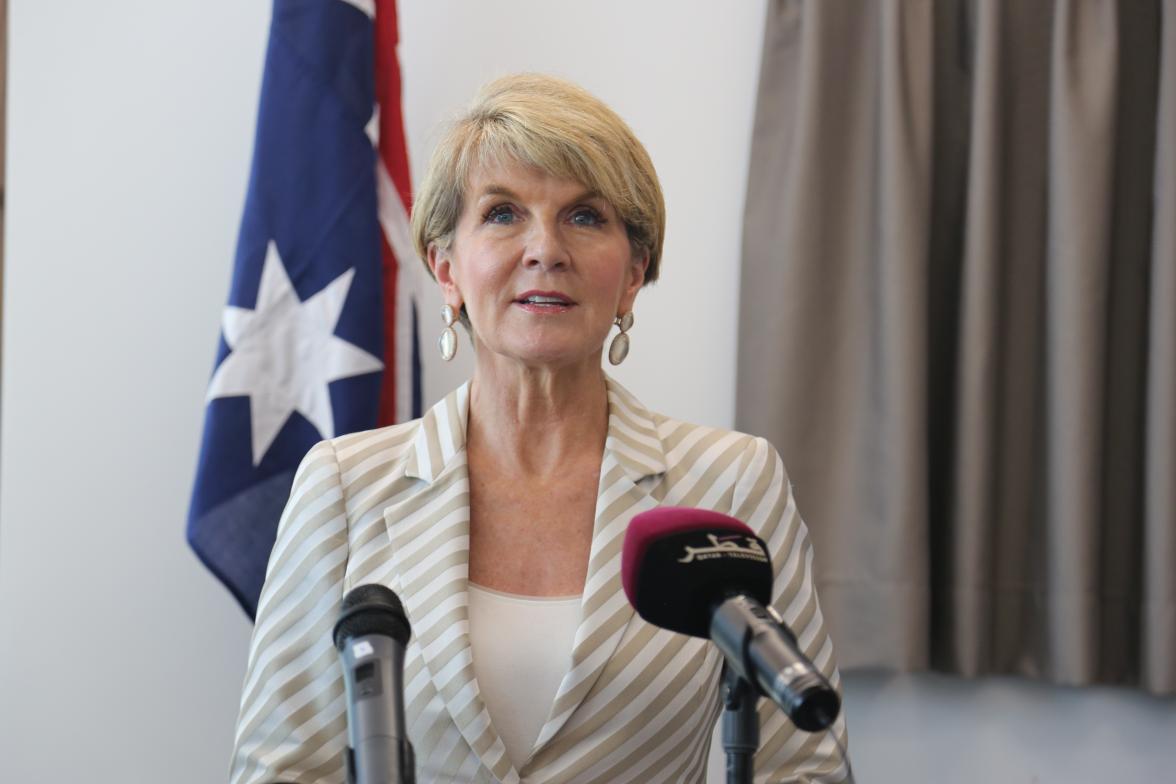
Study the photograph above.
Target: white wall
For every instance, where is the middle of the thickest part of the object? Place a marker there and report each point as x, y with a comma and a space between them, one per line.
130, 127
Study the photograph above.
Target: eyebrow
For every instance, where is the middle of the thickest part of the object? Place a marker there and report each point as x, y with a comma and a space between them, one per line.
497, 190
493, 189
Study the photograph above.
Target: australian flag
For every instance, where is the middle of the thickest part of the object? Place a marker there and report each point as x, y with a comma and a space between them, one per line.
318, 338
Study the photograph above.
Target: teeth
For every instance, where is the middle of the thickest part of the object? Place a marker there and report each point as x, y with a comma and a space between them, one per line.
545, 300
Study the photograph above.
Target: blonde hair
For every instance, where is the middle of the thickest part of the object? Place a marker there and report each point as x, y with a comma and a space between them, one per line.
557, 127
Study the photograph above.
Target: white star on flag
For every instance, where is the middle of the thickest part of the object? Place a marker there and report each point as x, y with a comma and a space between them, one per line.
372, 129
367, 6
285, 352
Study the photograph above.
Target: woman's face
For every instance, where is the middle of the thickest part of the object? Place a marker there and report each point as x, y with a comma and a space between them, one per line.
542, 265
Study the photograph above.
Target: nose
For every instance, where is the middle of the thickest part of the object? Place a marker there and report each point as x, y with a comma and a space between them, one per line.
546, 249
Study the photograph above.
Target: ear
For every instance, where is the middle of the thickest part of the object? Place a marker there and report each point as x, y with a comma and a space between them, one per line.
441, 265
636, 279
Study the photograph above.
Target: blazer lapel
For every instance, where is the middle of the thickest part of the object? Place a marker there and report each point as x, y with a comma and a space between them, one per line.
430, 538
633, 459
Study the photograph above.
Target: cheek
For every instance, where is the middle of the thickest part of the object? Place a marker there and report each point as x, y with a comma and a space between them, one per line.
619, 282
475, 278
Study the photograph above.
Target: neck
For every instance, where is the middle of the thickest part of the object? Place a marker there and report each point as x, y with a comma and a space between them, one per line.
538, 422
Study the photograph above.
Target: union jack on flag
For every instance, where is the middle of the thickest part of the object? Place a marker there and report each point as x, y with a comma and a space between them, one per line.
319, 335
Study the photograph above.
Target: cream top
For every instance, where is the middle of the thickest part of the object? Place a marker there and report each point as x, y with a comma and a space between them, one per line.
522, 647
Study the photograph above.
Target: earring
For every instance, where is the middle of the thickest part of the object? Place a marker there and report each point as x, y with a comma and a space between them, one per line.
448, 340
619, 348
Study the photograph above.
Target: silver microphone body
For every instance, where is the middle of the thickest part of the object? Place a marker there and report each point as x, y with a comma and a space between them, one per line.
762, 650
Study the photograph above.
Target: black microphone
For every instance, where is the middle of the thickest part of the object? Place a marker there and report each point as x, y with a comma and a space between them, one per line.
708, 575
371, 635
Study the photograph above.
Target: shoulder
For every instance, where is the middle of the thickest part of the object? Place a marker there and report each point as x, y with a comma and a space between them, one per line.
382, 445
374, 466
379, 447
691, 445
683, 448
735, 473
672, 441
354, 464
677, 434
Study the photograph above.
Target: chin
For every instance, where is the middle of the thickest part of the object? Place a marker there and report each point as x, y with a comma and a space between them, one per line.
547, 349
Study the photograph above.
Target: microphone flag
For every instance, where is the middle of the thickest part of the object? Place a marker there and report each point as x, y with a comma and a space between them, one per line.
317, 337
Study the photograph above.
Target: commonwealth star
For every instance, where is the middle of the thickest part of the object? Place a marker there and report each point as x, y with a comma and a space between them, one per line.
285, 352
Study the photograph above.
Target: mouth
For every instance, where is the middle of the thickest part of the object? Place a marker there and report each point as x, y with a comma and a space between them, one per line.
545, 301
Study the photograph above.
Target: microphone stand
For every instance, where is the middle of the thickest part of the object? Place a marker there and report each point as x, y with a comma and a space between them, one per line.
740, 727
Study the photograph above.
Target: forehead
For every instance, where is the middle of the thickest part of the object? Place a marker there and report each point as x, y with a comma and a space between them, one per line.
521, 179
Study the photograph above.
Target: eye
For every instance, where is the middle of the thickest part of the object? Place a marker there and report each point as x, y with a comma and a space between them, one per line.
586, 216
501, 213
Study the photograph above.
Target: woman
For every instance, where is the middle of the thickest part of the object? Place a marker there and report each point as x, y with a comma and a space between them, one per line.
498, 517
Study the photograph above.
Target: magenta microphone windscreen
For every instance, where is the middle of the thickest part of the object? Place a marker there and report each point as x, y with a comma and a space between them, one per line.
679, 563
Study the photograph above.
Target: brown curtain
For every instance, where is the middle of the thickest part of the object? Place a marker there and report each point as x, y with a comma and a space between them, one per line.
959, 326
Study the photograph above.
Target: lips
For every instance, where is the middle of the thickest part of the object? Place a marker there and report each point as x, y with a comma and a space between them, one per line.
545, 299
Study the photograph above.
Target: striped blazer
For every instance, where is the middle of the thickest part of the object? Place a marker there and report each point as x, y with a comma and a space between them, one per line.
637, 704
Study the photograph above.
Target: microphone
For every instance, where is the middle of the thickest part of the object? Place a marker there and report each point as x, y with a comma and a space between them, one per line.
705, 574
370, 635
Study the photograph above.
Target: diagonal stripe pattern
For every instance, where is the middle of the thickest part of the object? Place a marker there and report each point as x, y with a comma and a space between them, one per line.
637, 703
